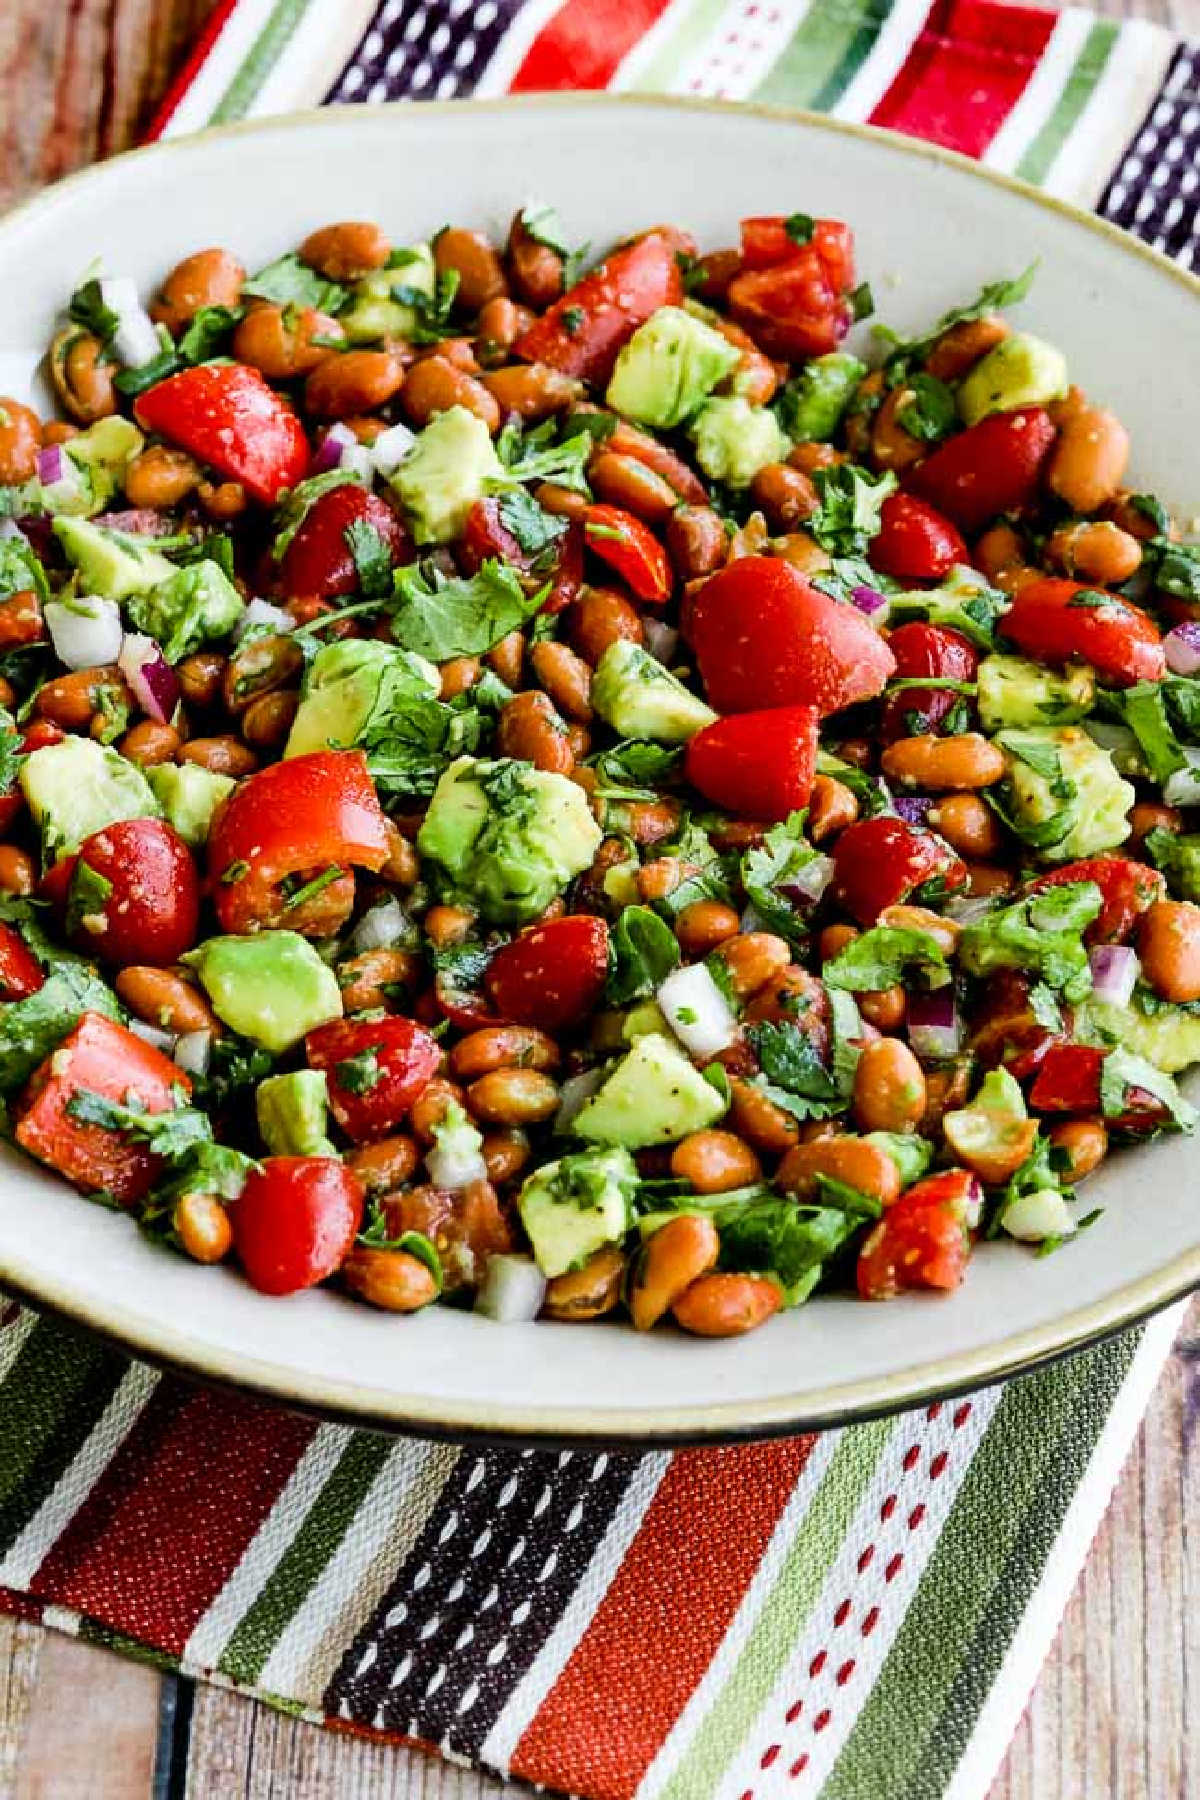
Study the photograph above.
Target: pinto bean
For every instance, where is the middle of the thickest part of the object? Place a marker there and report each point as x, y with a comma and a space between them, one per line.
18, 873
1096, 551
968, 825
1087, 463
678, 1253
892, 447
565, 677
162, 998
937, 763
258, 668
20, 441
785, 495
513, 1097
21, 621
353, 381
714, 1162
531, 390
346, 250
500, 323
850, 1159
889, 1087
82, 377
752, 959
587, 1293
1169, 946
532, 731
1085, 1142
211, 277
703, 925
502, 1047
200, 676
222, 755
160, 477
505, 1153
960, 348
267, 721
536, 270
598, 618
434, 385
148, 743
470, 256
202, 1226
70, 700
831, 808
726, 1305
696, 541
385, 1165
390, 1279
366, 978
278, 340
765, 1126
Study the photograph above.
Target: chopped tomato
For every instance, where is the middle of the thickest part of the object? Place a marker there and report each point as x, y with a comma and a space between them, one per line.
582, 333
790, 294
914, 541
134, 894
925, 650
990, 468
760, 764
230, 419
766, 242
1004, 1026
882, 861
551, 975
485, 536
20, 970
1068, 1081
319, 560
924, 1240
630, 548
104, 1058
465, 1226
376, 1068
296, 1221
1054, 621
765, 636
1128, 887
311, 812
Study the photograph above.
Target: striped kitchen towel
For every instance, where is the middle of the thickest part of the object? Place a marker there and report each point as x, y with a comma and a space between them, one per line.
856, 1615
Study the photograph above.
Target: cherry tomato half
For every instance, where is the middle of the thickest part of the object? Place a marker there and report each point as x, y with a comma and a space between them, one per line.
552, 975
1054, 621
134, 894
375, 1068
296, 1221
880, 862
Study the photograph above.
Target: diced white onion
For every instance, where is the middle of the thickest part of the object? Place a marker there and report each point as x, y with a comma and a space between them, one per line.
455, 1166
1183, 787
383, 925
697, 1011
340, 449
390, 449
1182, 647
512, 1291
264, 612
810, 880
193, 1050
661, 640
85, 633
151, 1034
1037, 1216
1115, 969
573, 1096
135, 340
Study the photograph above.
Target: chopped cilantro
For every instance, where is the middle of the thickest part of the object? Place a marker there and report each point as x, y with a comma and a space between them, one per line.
372, 558
359, 1074
289, 282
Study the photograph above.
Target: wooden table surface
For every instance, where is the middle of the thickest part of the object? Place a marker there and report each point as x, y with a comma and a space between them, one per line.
1109, 1718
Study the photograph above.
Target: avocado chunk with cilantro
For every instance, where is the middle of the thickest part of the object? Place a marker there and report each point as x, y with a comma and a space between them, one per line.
1168, 1037
78, 786
668, 368
95, 461
734, 440
291, 1111
639, 698
1022, 370
113, 564
271, 987
353, 683
447, 470
506, 837
812, 405
653, 1096
573, 1207
189, 796
1014, 691
1062, 793
377, 308
198, 605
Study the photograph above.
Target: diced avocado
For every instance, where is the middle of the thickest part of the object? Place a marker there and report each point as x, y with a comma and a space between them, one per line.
196, 606
812, 404
1022, 370
639, 698
1013, 691
1062, 792
573, 1207
350, 683
77, 787
646, 1017
1169, 1038
32, 1028
911, 1154
446, 471
271, 987
507, 837
113, 564
189, 796
653, 1096
374, 311
734, 440
291, 1113
669, 366
97, 458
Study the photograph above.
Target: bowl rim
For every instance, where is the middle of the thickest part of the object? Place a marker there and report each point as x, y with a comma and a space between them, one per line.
834, 1403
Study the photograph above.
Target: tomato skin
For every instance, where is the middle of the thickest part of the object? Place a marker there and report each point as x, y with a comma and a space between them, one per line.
760, 764
551, 975
881, 861
318, 560
20, 970
990, 468
792, 309
632, 550
1120, 641
466, 1224
105, 1058
152, 914
923, 1241
1068, 1079
310, 812
921, 649
1128, 888
765, 637
914, 541
295, 1222
485, 535
407, 1058
229, 418
614, 299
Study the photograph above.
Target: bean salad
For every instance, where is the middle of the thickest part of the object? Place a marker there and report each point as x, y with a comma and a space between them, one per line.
553, 783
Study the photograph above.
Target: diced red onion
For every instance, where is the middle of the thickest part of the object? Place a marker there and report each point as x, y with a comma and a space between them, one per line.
810, 881
512, 1290
379, 928
340, 449
85, 632
390, 449
913, 808
573, 1095
1115, 969
50, 462
153, 680
135, 340
973, 1205
192, 1051
697, 1011
152, 1035
867, 599
1182, 647
662, 641
264, 612
934, 1027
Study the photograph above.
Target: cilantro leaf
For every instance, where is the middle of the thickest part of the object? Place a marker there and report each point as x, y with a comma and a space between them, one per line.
182, 1137
433, 322
543, 225
883, 956
209, 332
535, 529
289, 282
992, 298
31, 1028
800, 227
542, 455
1144, 709
359, 1074
444, 616
848, 516
791, 1242
372, 558
87, 896
770, 873
1041, 933
86, 308
21, 568
1123, 1073
292, 507
634, 769
642, 951
11, 753
1173, 568
795, 1076
927, 409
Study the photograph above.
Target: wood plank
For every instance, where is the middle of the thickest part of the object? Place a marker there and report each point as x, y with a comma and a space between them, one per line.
88, 1726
